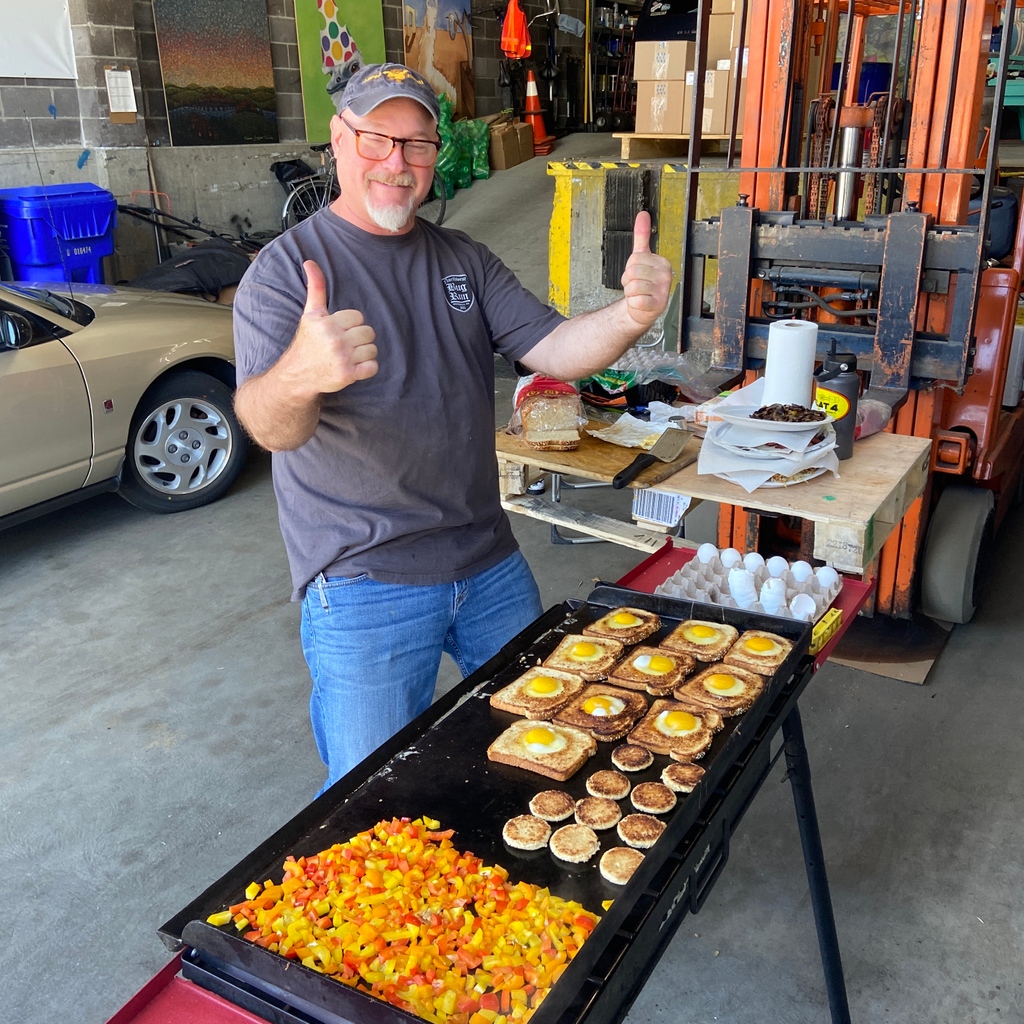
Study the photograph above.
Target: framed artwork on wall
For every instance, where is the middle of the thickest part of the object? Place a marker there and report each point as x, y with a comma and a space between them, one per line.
336, 38
217, 71
439, 44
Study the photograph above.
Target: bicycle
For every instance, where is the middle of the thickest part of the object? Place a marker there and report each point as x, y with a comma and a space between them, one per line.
314, 193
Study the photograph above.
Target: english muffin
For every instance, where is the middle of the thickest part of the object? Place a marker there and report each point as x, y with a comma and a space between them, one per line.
630, 757
538, 693
760, 652
640, 830
606, 712
630, 625
598, 812
589, 657
606, 783
705, 641
653, 798
552, 805
726, 688
682, 778
618, 864
525, 832
574, 843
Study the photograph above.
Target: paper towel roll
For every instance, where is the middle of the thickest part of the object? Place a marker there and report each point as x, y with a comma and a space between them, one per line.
789, 368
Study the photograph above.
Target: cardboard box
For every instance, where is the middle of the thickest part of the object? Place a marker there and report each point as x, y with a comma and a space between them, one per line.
504, 147
720, 40
659, 108
715, 118
524, 136
743, 94
664, 61
724, 7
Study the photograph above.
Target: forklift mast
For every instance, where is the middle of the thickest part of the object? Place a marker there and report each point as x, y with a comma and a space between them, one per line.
853, 211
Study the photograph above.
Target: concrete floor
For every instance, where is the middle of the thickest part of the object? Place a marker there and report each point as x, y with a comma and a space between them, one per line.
154, 730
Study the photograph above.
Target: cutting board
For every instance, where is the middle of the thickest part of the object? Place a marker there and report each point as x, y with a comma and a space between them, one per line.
593, 459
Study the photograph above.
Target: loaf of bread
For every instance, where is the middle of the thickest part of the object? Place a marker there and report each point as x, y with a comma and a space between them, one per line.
551, 423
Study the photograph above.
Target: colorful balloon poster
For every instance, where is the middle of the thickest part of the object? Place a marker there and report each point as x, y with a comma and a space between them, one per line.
336, 38
439, 44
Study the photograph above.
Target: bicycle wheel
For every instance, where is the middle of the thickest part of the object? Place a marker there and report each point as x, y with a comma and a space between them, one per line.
433, 207
305, 199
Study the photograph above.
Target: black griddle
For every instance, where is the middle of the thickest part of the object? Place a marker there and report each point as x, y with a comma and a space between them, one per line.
437, 766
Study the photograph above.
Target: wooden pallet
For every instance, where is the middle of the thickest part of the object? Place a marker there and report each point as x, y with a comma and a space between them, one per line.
638, 146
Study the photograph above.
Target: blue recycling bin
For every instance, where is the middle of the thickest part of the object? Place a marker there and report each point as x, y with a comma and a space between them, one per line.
58, 232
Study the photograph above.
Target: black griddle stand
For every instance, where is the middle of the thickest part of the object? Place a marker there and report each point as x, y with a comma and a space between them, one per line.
616, 971
688, 876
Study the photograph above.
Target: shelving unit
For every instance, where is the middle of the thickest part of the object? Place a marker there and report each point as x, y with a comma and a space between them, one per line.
611, 90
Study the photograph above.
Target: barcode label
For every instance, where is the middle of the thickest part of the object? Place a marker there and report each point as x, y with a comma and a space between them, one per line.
659, 506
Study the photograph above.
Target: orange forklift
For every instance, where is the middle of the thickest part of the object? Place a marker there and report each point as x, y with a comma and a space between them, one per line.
856, 211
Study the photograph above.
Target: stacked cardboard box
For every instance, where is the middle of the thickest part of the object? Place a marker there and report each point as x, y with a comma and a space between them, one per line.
511, 141
664, 73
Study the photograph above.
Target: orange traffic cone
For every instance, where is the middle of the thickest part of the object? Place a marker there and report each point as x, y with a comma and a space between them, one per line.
542, 142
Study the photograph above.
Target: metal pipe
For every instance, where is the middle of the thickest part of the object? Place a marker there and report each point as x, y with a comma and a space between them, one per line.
850, 155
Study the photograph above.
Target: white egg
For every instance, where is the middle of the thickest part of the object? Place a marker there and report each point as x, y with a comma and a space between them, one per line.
668, 724
753, 561
802, 571
731, 557
827, 576
776, 565
803, 607
773, 595
741, 586
706, 552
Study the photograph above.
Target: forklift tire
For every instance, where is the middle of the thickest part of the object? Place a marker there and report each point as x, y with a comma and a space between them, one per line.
955, 553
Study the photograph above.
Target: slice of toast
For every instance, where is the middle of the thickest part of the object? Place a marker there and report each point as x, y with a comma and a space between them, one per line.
590, 712
759, 651
706, 641
712, 688
538, 693
652, 669
590, 657
630, 625
521, 745
652, 732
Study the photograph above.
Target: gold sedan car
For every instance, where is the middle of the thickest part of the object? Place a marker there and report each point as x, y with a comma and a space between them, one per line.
105, 389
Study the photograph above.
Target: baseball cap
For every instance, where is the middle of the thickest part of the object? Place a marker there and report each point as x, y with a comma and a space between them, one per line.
374, 84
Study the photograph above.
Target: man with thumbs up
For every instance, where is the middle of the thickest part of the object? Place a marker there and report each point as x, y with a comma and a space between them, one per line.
365, 341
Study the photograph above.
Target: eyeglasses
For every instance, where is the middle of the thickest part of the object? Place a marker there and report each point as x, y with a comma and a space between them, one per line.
374, 146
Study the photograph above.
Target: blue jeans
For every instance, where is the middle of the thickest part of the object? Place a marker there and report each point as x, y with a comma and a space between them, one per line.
373, 649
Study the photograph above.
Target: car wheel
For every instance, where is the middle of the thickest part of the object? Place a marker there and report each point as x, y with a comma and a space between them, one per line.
185, 447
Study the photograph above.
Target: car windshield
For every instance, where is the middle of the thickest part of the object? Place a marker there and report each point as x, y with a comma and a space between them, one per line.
59, 304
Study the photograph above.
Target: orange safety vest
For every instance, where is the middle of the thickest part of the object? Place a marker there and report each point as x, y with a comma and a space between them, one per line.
515, 35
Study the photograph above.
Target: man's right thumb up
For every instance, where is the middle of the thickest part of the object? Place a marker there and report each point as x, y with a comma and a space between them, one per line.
316, 290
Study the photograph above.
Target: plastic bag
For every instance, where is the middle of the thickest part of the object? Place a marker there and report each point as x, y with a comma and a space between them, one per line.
448, 157
872, 417
481, 135
547, 413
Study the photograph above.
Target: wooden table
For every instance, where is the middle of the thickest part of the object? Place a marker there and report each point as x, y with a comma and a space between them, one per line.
853, 514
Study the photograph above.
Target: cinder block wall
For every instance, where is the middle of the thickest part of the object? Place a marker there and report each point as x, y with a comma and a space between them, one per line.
226, 187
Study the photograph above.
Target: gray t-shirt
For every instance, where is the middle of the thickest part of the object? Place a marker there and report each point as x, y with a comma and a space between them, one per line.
399, 481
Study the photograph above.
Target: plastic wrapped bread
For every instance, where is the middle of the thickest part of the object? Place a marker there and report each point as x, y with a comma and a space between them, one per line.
547, 413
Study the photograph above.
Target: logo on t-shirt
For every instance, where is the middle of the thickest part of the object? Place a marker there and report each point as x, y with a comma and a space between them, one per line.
457, 292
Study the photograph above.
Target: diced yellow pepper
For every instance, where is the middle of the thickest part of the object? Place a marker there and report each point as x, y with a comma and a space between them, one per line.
220, 918
252, 890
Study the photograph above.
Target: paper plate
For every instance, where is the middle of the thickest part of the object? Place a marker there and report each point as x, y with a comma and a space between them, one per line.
768, 455
811, 475
741, 417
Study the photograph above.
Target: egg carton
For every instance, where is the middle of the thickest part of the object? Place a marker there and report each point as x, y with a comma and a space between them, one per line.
772, 587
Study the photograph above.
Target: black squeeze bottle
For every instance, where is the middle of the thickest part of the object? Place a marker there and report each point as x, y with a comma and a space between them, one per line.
838, 388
